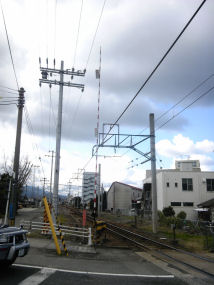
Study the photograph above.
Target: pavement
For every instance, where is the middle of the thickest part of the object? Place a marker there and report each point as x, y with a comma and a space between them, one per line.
83, 258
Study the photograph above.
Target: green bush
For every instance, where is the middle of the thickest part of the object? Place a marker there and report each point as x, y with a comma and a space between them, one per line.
181, 215
168, 211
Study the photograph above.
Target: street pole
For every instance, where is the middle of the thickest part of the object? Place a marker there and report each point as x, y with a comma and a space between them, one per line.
52, 156
45, 71
34, 183
44, 180
99, 204
58, 142
153, 170
14, 191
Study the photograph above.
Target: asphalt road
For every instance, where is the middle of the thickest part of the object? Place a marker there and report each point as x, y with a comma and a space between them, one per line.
25, 275
98, 266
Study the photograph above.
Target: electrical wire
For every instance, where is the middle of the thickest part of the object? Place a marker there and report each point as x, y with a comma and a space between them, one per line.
154, 70
8, 88
55, 22
78, 31
31, 131
157, 66
89, 55
11, 56
201, 96
181, 111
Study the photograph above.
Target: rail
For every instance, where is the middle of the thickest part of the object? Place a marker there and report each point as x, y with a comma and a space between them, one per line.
69, 231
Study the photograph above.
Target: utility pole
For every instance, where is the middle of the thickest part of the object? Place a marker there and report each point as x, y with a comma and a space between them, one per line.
44, 180
52, 157
34, 178
153, 170
45, 71
99, 190
13, 198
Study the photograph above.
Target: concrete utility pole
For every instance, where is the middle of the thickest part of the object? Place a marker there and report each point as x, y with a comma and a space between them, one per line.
99, 190
34, 178
52, 157
13, 198
45, 71
44, 180
153, 170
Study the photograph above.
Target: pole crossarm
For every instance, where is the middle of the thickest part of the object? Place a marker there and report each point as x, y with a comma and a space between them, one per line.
55, 82
67, 71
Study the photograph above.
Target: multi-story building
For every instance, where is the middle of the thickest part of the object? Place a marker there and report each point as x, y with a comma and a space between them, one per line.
88, 185
183, 188
122, 197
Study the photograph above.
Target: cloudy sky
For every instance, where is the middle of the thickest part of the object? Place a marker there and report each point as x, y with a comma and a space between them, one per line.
133, 36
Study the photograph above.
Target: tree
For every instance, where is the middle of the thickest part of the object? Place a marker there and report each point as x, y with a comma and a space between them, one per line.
4, 185
25, 168
168, 211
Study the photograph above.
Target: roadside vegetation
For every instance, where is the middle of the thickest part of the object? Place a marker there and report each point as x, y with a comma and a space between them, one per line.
194, 236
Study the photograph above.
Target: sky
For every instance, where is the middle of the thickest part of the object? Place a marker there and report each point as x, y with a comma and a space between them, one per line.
133, 36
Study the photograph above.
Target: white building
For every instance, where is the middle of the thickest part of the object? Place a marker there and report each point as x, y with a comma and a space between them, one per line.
88, 185
183, 188
121, 197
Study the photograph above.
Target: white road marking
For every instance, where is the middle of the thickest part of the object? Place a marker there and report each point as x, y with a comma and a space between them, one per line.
95, 273
38, 277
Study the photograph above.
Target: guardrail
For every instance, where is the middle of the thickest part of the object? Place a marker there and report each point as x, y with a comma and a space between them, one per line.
69, 231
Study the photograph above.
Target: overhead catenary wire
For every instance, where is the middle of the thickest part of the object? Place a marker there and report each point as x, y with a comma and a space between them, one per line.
95, 34
8, 41
157, 66
78, 31
153, 71
181, 111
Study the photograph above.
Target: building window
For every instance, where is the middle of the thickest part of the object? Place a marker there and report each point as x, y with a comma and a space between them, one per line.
167, 184
187, 184
175, 203
210, 184
188, 204
176, 184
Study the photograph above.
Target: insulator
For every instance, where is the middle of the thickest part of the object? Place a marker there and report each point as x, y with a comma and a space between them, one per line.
84, 70
47, 61
40, 84
50, 85
72, 69
54, 63
72, 77
50, 73
39, 60
82, 89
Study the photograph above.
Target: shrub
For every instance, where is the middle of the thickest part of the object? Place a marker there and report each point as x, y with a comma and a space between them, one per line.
181, 215
168, 211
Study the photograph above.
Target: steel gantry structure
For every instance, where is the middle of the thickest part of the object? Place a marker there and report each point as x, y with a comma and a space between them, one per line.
117, 140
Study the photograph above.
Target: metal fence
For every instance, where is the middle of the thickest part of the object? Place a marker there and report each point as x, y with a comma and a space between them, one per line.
44, 228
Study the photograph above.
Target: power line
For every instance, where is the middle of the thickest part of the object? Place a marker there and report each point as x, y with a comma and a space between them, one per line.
11, 56
159, 63
190, 93
78, 30
30, 129
95, 34
8, 88
202, 95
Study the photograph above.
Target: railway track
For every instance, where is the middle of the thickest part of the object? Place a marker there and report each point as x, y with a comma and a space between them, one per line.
167, 252
161, 250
